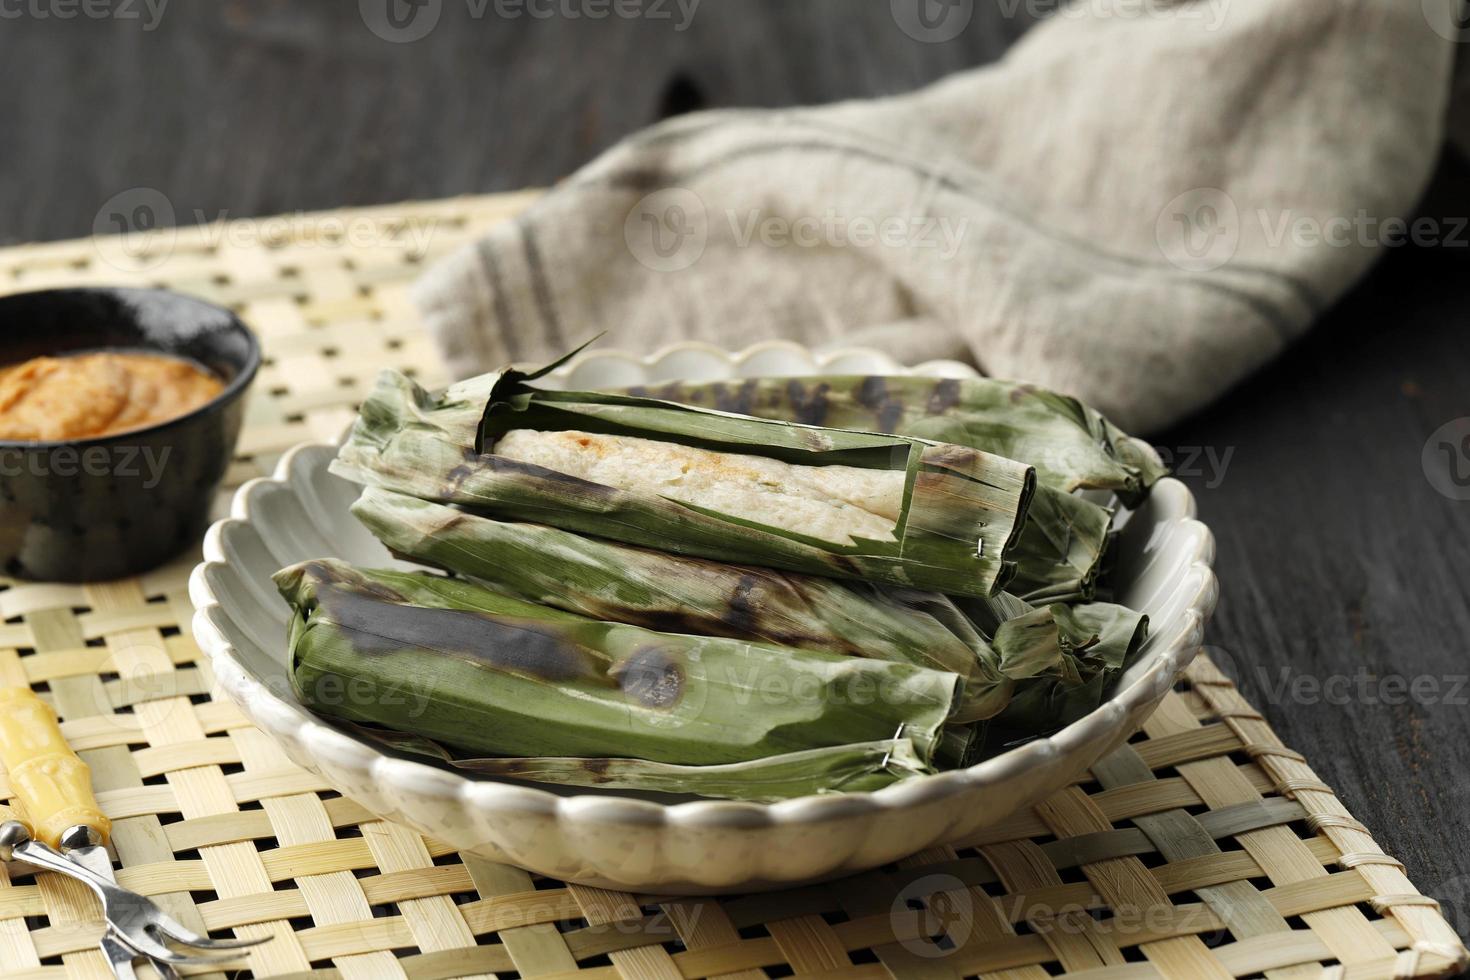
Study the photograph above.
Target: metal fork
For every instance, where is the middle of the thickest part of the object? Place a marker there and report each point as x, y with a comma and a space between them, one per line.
121, 958
70, 837
134, 920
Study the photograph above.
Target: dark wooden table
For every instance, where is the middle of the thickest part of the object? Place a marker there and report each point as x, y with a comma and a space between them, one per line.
1344, 570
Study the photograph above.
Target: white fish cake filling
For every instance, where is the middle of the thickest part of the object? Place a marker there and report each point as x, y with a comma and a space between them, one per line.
834, 503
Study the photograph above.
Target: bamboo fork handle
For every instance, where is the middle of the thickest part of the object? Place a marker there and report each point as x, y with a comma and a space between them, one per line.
45, 774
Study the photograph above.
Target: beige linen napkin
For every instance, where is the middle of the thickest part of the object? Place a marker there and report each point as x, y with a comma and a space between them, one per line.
1144, 201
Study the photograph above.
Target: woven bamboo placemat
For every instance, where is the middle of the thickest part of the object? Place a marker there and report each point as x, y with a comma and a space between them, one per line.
1203, 848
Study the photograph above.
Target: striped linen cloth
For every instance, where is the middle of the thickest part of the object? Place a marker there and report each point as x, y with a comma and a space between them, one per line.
1141, 203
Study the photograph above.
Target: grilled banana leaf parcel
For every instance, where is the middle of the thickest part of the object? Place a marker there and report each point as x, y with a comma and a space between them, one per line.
862, 767
1100, 639
1063, 544
777, 494
1071, 445
1064, 538
484, 673
623, 583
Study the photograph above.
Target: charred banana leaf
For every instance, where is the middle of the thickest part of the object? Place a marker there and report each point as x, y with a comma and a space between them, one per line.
1071, 445
990, 643
483, 673
1064, 538
607, 580
1063, 544
843, 768
1062, 659
955, 528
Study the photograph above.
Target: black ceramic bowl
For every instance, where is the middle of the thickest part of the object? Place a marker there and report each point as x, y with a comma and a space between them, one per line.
100, 508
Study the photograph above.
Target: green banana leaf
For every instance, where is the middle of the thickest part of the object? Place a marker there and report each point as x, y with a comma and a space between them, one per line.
862, 767
962, 512
1063, 538
991, 643
621, 583
1062, 548
1063, 659
1058, 553
485, 673
1071, 445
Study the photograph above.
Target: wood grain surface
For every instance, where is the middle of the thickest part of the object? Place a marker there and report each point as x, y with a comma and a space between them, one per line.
1344, 571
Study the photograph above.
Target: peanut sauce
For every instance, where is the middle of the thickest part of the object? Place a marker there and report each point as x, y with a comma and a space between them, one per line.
98, 394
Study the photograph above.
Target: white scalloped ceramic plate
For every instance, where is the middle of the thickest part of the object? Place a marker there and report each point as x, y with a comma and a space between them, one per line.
629, 841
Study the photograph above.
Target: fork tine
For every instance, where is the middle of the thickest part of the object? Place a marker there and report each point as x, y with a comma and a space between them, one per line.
120, 957
180, 934
145, 945
164, 970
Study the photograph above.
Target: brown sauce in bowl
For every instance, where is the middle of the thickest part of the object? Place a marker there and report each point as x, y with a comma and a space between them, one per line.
98, 394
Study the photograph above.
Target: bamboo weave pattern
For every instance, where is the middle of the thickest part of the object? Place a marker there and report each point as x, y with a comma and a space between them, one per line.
1203, 848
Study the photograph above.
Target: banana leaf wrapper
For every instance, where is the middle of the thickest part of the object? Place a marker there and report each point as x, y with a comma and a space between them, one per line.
1063, 548
488, 674
961, 515
607, 580
1062, 659
862, 767
1072, 446
1064, 538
